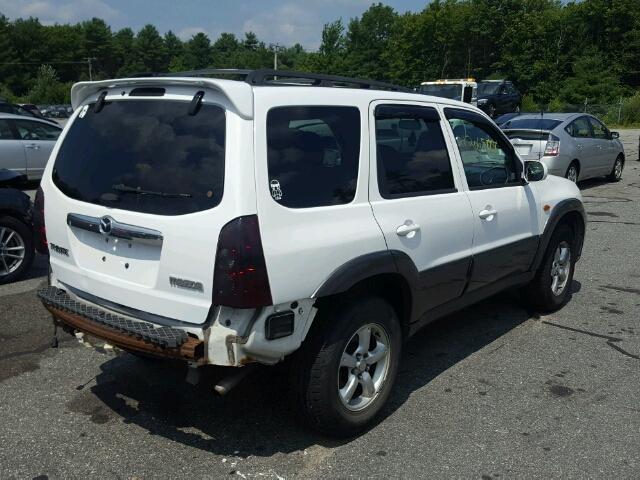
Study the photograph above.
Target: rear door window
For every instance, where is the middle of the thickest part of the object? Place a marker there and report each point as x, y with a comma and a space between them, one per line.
146, 156
417, 162
29, 130
313, 155
579, 128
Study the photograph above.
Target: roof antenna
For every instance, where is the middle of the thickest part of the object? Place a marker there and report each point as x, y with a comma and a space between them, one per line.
196, 103
100, 102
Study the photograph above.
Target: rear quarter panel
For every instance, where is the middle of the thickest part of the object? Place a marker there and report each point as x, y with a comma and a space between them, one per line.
304, 246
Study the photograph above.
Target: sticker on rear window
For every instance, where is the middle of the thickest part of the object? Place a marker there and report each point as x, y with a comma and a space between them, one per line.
83, 112
276, 191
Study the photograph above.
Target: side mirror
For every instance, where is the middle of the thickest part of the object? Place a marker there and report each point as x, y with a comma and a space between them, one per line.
535, 171
615, 135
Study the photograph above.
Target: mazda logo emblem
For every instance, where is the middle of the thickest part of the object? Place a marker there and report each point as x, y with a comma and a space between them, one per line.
105, 225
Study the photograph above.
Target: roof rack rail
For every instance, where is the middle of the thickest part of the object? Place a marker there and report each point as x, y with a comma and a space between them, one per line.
270, 77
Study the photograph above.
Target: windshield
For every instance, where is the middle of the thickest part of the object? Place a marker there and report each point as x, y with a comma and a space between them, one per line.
453, 92
532, 123
146, 156
488, 88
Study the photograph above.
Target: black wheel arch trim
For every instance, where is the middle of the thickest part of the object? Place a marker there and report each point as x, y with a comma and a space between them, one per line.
367, 266
558, 212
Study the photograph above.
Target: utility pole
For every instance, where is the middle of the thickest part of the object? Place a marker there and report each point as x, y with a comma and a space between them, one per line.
89, 60
619, 110
275, 55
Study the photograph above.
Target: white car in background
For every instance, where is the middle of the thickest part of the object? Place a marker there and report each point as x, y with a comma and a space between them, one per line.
26, 143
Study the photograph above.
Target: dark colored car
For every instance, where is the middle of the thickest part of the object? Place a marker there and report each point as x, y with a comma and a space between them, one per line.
32, 108
496, 97
16, 227
6, 107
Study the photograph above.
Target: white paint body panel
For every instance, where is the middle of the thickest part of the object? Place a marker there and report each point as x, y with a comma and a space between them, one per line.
304, 246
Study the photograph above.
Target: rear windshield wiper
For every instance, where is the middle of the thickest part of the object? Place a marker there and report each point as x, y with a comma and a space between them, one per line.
139, 191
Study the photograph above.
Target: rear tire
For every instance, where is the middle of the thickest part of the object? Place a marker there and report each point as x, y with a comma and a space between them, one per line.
341, 381
573, 172
616, 171
549, 290
16, 240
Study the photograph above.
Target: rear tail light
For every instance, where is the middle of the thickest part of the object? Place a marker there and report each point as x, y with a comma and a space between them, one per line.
240, 276
553, 146
39, 227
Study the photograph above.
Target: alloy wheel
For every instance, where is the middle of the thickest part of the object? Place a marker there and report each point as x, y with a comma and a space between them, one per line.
12, 251
617, 169
560, 268
363, 367
572, 174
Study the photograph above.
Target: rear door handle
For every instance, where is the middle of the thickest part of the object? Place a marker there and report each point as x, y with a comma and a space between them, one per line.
487, 213
579, 145
32, 146
407, 230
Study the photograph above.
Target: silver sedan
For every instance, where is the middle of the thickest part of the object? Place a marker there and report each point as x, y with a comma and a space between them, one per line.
26, 143
572, 145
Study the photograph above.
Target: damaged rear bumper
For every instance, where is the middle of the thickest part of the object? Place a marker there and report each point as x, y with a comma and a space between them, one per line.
120, 331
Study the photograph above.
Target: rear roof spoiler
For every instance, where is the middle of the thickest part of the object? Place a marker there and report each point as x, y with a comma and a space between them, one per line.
239, 93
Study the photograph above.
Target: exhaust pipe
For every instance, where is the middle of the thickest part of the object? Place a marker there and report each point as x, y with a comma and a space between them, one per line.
227, 384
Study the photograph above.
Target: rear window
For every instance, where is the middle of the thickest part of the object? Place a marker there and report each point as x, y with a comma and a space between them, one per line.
146, 156
532, 123
313, 155
451, 91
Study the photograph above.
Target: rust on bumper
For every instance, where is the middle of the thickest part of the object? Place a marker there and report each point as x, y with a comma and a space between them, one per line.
121, 332
191, 350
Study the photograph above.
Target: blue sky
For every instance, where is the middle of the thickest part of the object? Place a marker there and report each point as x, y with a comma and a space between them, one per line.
278, 21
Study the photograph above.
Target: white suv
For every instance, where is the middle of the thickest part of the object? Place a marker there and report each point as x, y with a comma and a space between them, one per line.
230, 222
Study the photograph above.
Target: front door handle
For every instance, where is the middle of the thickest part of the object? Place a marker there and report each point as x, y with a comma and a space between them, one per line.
488, 213
407, 230
32, 146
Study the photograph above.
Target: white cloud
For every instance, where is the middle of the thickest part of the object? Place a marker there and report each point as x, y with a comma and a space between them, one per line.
188, 32
289, 23
50, 12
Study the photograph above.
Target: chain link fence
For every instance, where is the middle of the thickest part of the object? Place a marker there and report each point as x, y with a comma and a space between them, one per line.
624, 112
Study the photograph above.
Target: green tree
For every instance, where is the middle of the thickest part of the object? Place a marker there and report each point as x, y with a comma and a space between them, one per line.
150, 49
367, 39
124, 50
47, 88
198, 52
97, 44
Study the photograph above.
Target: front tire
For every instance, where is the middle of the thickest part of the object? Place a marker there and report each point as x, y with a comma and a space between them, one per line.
347, 366
16, 248
616, 171
549, 290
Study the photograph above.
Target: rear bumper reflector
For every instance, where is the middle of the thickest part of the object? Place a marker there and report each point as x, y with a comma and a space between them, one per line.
120, 331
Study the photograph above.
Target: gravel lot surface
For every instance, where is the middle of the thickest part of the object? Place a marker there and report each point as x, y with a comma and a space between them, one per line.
492, 392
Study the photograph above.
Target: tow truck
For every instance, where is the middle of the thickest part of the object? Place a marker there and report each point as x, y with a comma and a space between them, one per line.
463, 89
